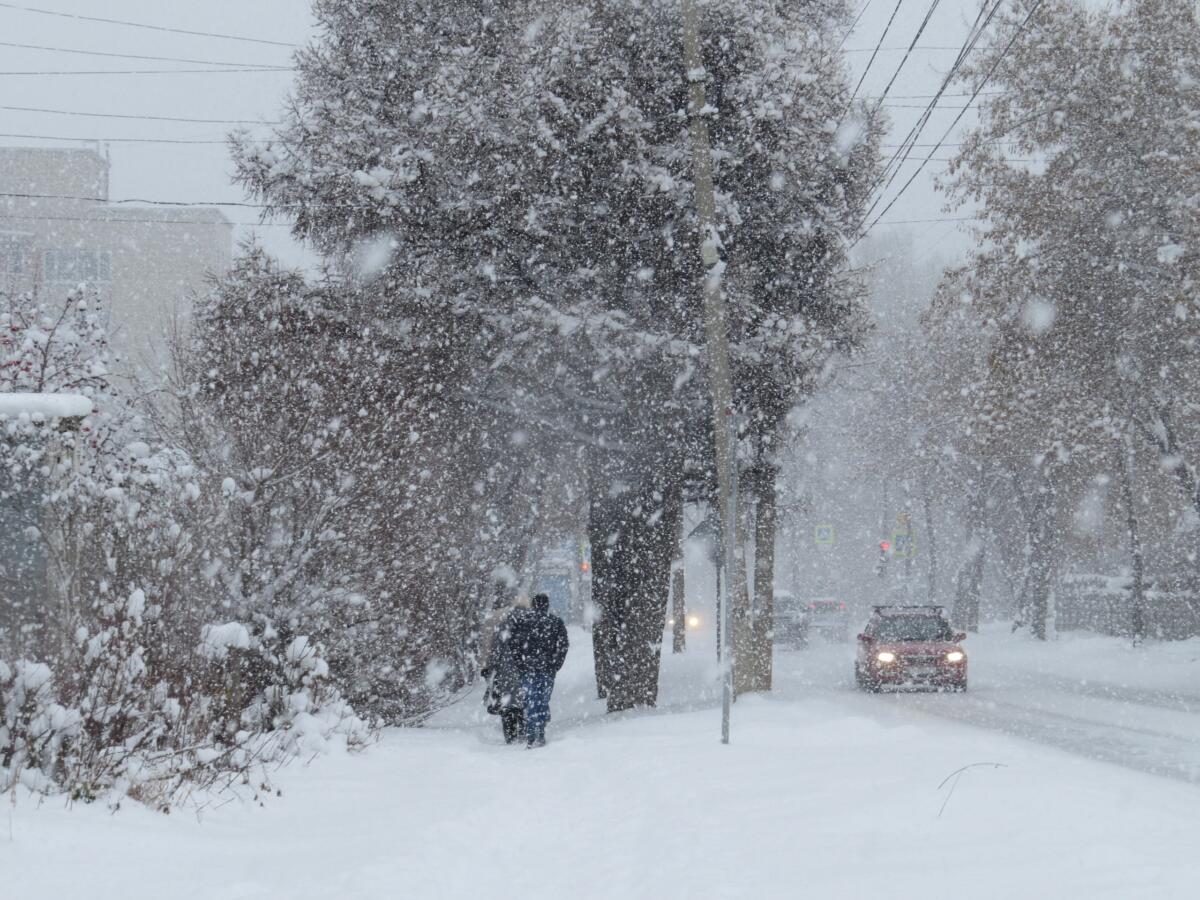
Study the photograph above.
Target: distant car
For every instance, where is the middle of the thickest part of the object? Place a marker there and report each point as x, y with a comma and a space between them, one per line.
691, 621
910, 646
828, 618
790, 626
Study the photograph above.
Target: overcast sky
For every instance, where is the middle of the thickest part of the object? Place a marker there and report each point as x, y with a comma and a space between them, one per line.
200, 171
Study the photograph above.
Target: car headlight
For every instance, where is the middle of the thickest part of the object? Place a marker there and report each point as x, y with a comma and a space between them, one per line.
693, 621
886, 656
670, 623
955, 656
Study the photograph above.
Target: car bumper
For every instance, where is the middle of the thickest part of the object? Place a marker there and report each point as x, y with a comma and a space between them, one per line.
900, 675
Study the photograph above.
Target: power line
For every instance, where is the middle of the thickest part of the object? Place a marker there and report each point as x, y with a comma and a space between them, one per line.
918, 106
935, 144
920, 31
1074, 50
128, 24
900, 156
94, 115
895, 49
928, 96
104, 221
271, 70
138, 201
148, 71
986, 78
181, 203
178, 59
862, 12
927, 221
970, 43
871, 61
112, 140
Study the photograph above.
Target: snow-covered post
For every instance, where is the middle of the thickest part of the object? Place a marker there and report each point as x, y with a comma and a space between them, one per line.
716, 329
65, 412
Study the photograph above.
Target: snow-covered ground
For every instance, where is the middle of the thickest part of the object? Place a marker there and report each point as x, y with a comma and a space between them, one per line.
823, 793
1098, 662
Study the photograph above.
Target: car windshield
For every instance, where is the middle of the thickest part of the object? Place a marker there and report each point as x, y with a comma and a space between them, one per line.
912, 628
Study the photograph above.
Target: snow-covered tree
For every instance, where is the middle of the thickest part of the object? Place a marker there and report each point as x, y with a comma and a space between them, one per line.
1086, 281
614, 251
508, 189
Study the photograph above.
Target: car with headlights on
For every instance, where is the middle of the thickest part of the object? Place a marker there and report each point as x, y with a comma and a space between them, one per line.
910, 647
691, 622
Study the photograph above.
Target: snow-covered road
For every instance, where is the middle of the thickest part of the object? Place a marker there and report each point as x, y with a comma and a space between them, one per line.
1110, 716
824, 793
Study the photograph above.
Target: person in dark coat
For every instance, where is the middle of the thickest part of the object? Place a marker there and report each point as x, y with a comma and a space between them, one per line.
503, 693
539, 641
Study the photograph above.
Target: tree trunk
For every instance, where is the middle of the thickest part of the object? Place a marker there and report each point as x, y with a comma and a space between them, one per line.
634, 535
1044, 559
678, 613
1168, 449
931, 539
765, 525
745, 655
604, 585
969, 581
1133, 534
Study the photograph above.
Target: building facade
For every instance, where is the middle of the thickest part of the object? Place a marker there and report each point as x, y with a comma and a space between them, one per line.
58, 230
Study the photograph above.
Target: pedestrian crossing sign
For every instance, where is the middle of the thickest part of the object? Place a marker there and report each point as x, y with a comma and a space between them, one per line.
824, 536
903, 545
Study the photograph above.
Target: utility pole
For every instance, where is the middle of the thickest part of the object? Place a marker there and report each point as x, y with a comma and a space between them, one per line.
716, 329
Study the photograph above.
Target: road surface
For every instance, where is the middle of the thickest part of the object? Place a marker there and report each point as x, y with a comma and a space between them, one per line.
1148, 730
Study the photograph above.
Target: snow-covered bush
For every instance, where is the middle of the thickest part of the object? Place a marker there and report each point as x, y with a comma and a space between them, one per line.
121, 671
106, 724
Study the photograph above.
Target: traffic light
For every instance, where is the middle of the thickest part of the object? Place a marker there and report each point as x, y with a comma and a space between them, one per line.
885, 546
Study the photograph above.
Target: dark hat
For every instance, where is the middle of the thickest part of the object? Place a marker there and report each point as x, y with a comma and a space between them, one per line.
541, 602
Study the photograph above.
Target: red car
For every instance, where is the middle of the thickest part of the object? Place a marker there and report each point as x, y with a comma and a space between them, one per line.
910, 646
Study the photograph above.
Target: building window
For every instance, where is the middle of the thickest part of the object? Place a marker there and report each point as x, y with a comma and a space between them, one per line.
14, 254
75, 266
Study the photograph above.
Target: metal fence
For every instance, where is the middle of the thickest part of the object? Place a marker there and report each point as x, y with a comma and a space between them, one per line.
1104, 604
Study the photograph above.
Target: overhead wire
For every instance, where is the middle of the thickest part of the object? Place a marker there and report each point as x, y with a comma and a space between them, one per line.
130, 24
90, 72
862, 12
904, 149
983, 83
871, 61
20, 218
108, 54
928, 96
118, 140
139, 201
969, 45
920, 31
139, 117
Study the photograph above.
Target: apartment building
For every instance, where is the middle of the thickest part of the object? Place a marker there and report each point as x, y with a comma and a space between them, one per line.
58, 229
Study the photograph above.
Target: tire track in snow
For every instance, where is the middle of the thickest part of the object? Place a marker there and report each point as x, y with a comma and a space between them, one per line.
1145, 750
1048, 710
